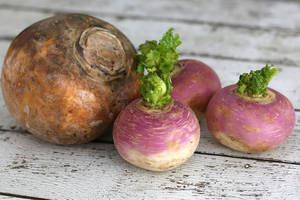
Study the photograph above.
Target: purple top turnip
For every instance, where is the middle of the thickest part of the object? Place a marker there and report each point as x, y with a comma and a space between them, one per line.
249, 116
156, 132
194, 83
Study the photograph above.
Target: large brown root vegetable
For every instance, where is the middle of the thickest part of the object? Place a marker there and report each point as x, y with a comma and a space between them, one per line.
67, 77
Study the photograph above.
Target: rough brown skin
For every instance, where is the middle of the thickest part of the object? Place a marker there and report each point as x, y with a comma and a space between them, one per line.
66, 78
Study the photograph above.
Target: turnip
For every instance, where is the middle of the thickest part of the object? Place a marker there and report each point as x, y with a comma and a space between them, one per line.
194, 83
249, 116
156, 132
66, 78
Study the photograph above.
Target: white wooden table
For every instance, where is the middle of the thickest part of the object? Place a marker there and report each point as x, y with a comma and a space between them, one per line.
232, 36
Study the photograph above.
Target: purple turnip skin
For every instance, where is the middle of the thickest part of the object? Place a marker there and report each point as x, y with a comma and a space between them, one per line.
250, 125
156, 140
194, 84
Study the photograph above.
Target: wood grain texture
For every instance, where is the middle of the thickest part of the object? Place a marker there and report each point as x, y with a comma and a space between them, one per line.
249, 13
285, 82
95, 171
288, 152
2, 197
224, 42
18, 21
7, 196
3, 48
232, 37
237, 43
6, 120
226, 50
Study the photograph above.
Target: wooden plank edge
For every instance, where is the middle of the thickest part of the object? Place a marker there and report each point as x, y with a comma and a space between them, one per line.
287, 62
85, 163
107, 139
59, 11
19, 196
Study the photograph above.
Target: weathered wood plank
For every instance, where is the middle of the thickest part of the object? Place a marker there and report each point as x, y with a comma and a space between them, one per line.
285, 82
3, 48
32, 167
287, 152
228, 72
2, 197
6, 121
96, 171
208, 44
13, 22
248, 13
223, 41
204, 39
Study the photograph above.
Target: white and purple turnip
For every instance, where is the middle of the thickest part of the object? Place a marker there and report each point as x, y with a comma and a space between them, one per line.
156, 140
194, 83
249, 116
156, 132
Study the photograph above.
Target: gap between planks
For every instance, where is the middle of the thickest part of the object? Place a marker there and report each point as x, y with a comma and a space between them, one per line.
222, 155
209, 145
107, 139
58, 11
8, 38
265, 53
207, 55
18, 197
286, 62
93, 171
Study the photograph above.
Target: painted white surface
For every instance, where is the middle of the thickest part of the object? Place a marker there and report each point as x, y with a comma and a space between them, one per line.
200, 39
3, 48
253, 13
10, 198
232, 37
96, 171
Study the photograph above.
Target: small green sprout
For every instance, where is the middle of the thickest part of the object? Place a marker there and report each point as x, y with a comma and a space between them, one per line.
256, 82
158, 60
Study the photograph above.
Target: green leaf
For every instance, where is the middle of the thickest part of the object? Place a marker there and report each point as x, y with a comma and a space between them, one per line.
153, 89
147, 46
152, 59
256, 82
158, 59
170, 41
140, 69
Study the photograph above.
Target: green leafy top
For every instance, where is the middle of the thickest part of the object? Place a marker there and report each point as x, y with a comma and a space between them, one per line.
255, 83
158, 60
